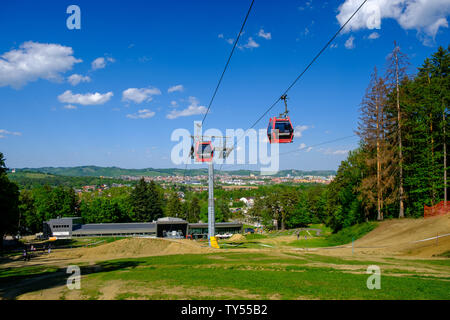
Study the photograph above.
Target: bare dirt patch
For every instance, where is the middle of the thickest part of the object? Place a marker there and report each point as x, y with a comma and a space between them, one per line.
237, 238
115, 289
399, 238
125, 248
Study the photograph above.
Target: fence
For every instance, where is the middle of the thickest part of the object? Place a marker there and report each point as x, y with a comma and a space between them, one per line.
437, 210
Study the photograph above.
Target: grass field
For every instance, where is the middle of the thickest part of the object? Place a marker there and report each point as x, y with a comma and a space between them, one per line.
233, 275
269, 266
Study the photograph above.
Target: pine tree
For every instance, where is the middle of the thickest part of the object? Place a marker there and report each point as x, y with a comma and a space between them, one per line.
440, 72
146, 200
9, 203
174, 206
193, 211
426, 133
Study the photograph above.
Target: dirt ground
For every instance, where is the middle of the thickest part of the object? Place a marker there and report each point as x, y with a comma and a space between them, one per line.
392, 238
114, 288
125, 248
403, 238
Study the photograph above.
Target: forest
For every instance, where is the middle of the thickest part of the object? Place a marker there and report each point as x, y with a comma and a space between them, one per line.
399, 166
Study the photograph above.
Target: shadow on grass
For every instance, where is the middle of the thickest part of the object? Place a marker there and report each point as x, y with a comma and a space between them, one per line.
17, 281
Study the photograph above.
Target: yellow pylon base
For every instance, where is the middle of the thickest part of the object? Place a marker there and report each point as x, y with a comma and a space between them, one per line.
213, 242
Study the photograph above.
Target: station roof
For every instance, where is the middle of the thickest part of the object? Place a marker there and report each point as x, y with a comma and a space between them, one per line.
217, 224
103, 228
171, 220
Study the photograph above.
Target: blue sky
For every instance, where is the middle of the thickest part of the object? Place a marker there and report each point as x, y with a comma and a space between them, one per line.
131, 52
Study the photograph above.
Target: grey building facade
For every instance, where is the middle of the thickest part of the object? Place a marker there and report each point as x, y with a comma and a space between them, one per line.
70, 227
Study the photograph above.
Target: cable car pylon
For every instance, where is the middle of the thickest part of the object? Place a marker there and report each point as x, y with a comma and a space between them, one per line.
204, 152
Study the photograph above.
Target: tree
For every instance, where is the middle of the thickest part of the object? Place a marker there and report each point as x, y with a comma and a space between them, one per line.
146, 200
276, 206
193, 210
302, 214
346, 204
378, 185
50, 203
28, 222
3, 168
9, 203
440, 72
426, 133
222, 211
174, 206
396, 72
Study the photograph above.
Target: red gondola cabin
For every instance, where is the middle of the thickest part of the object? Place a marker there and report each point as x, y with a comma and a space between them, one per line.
204, 151
280, 130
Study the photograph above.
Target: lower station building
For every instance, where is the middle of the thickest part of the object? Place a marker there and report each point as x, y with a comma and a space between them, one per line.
70, 227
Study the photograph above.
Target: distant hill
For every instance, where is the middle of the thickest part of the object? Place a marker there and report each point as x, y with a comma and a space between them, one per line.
114, 172
30, 179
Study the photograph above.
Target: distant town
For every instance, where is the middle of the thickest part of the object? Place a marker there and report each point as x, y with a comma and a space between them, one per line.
200, 182
101, 178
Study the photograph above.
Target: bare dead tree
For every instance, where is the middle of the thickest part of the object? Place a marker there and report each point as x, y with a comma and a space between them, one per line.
396, 72
372, 129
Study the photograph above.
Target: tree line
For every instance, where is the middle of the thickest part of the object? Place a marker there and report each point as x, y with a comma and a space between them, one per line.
24, 211
401, 163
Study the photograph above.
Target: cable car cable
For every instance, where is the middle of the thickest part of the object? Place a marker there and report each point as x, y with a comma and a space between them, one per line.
309, 65
228, 62
224, 70
315, 145
298, 77
319, 144
303, 72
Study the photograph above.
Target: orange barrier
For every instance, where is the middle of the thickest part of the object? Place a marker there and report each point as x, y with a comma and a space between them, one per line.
439, 209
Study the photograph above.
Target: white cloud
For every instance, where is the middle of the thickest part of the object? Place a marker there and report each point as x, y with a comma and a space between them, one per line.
340, 152
220, 36
193, 109
33, 61
144, 59
4, 133
85, 99
425, 16
302, 146
374, 35
230, 41
173, 104
176, 88
141, 114
309, 149
250, 44
298, 130
335, 152
349, 44
265, 35
140, 95
70, 107
305, 32
308, 5
100, 62
77, 78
